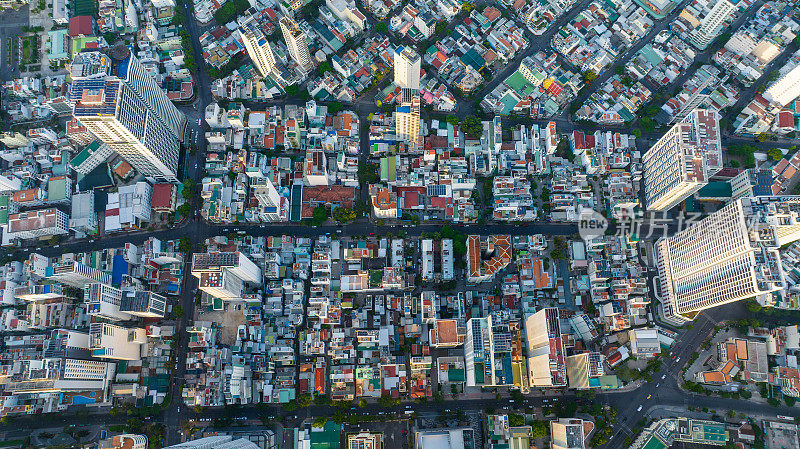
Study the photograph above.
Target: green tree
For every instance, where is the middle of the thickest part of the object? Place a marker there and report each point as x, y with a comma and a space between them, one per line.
452, 119
292, 90
515, 420
368, 173
320, 215
325, 67
648, 125
589, 76
334, 107
320, 422
752, 306
185, 244
184, 210
188, 189
540, 428
775, 154
472, 126
762, 137
382, 27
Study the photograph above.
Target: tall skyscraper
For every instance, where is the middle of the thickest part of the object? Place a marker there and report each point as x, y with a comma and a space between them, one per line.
786, 89
120, 103
223, 275
269, 201
407, 118
730, 255
712, 23
257, 46
407, 68
682, 160
296, 41
546, 354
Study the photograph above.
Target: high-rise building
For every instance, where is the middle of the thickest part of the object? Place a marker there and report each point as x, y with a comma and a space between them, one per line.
104, 301
120, 103
124, 441
730, 255
546, 354
407, 118
296, 42
223, 275
258, 47
407, 68
569, 433
491, 342
682, 160
216, 442
712, 23
66, 270
144, 304
269, 201
785, 90
109, 341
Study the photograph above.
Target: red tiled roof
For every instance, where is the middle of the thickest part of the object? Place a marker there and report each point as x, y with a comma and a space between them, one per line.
162, 196
80, 26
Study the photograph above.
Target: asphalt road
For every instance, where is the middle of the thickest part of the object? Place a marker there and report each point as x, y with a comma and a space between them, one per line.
11, 24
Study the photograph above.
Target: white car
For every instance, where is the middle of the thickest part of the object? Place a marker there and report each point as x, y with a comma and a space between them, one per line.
639, 409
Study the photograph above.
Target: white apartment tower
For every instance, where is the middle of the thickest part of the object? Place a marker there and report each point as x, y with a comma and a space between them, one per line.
407, 117
682, 160
258, 47
70, 272
785, 90
407, 68
728, 256
296, 42
712, 23
223, 275
269, 201
104, 301
120, 103
546, 354
109, 341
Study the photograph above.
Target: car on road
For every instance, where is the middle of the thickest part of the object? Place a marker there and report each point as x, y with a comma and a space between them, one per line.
639, 409
649, 396
663, 377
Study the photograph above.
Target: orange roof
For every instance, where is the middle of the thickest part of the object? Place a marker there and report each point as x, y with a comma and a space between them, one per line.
741, 349
447, 331
541, 278
730, 350
713, 377
728, 367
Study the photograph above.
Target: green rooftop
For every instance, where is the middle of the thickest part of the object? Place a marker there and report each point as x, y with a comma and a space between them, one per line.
57, 189
327, 437
716, 189
516, 81
654, 443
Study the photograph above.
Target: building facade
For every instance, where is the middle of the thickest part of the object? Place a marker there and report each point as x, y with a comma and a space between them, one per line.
120, 103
